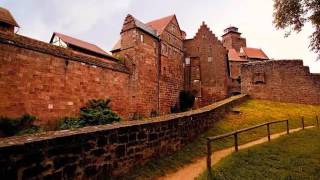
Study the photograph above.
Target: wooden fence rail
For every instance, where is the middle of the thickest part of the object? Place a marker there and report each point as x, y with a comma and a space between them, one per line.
235, 135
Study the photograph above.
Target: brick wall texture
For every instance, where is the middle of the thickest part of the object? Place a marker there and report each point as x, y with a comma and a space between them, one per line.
52, 82
105, 151
208, 69
281, 80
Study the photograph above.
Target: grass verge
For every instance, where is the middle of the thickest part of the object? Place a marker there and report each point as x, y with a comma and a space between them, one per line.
296, 156
252, 112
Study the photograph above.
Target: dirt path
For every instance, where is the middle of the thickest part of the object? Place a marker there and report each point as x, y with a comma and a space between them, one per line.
193, 170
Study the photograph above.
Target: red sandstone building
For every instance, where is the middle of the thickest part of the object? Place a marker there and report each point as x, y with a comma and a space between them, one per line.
150, 64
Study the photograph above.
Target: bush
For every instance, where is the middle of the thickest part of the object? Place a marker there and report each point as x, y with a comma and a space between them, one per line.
137, 116
18, 126
70, 123
186, 102
96, 112
154, 113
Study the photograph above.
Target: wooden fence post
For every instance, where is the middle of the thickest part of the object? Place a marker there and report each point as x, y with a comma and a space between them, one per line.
317, 119
302, 122
236, 141
209, 159
268, 129
287, 126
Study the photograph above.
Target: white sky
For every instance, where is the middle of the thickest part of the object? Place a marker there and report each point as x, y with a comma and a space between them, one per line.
100, 21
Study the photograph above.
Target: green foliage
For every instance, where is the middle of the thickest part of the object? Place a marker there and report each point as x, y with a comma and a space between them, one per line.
296, 156
120, 58
18, 126
137, 116
253, 112
70, 123
154, 113
294, 14
96, 112
186, 102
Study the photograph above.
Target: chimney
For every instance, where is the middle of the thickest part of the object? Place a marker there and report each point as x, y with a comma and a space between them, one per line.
7, 22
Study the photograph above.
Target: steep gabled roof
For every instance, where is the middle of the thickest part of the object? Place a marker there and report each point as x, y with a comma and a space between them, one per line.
234, 56
6, 17
254, 53
160, 24
145, 27
79, 43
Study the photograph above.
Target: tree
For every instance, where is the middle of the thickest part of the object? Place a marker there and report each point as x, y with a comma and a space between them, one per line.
293, 14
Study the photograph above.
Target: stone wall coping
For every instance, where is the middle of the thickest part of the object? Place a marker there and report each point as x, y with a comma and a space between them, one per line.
43, 47
50, 135
280, 61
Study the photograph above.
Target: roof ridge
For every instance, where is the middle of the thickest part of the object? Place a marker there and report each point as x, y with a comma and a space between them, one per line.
161, 18
160, 24
80, 43
75, 38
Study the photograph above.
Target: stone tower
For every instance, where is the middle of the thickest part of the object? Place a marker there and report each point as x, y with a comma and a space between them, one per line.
232, 39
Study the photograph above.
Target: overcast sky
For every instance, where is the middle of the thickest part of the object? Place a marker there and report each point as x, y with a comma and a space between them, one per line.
99, 21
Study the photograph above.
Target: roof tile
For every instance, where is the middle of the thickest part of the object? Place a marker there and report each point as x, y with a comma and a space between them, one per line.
80, 43
234, 56
160, 24
254, 53
5, 16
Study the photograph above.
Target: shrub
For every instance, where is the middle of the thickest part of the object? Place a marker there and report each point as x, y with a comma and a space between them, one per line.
70, 123
186, 102
154, 113
137, 116
18, 126
96, 112
175, 109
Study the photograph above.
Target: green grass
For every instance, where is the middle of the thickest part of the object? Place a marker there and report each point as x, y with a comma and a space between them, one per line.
252, 112
296, 156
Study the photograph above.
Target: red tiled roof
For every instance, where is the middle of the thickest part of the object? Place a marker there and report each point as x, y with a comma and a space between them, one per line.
6, 17
234, 56
80, 43
254, 53
160, 24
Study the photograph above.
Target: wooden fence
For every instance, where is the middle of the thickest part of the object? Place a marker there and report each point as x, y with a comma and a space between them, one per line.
235, 135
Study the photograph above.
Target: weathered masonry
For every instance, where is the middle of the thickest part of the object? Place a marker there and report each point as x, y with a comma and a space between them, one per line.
281, 80
108, 150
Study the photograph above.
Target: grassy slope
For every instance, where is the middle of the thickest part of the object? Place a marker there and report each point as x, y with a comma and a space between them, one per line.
296, 156
252, 112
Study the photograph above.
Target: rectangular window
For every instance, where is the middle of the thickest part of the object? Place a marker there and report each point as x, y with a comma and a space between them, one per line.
141, 38
209, 59
187, 60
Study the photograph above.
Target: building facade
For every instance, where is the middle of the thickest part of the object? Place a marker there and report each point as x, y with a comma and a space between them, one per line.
239, 54
150, 65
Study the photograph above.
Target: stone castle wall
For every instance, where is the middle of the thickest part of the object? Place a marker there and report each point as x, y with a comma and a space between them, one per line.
144, 86
99, 152
281, 80
51, 82
208, 66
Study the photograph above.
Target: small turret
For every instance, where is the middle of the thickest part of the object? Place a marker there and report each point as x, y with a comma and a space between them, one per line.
232, 39
7, 22
231, 29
